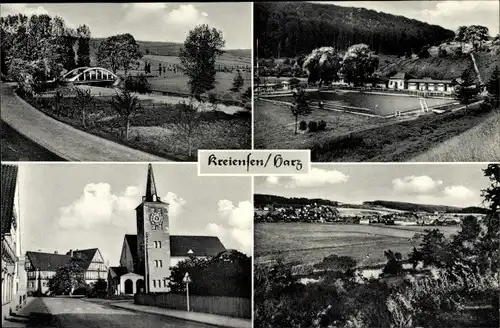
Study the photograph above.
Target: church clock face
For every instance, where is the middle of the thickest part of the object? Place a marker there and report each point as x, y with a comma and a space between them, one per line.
156, 217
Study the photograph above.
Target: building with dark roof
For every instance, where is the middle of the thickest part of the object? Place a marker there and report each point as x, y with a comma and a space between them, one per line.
146, 257
40, 267
13, 277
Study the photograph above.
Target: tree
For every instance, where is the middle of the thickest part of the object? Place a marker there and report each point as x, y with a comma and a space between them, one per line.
491, 239
126, 104
359, 63
98, 288
424, 52
118, 51
434, 248
84, 100
68, 277
188, 119
493, 85
83, 52
138, 83
467, 89
322, 65
193, 266
198, 55
237, 82
300, 107
336, 263
476, 34
394, 263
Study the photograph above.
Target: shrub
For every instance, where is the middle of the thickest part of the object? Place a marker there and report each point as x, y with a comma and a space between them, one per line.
321, 125
139, 84
313, 126
302, 125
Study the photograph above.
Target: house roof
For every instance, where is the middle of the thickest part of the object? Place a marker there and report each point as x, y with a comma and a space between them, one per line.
51, 261
117, 272
399, 75
8, 189
181, 245
84, 254
428, 80
47, 261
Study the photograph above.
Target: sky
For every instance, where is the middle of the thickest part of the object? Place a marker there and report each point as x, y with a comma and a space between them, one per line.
80, 206
167, 22
448, 14
436, 184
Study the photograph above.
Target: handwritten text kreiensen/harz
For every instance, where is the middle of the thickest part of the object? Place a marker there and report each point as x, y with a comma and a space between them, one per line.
274, 160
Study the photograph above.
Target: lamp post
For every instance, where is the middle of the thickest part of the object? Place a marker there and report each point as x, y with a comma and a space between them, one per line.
187, 280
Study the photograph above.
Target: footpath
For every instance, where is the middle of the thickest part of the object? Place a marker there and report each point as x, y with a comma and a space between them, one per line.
61, 139
207, 318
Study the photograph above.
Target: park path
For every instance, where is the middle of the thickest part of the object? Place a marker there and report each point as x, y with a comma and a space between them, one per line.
61, 139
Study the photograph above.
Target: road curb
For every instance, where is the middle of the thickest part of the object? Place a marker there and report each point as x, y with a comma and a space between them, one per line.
166, 315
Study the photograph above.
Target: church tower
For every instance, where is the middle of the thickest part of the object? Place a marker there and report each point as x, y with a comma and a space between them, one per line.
153, 238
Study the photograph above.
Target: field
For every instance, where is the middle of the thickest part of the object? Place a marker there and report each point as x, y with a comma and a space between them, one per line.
310, 243
479, 144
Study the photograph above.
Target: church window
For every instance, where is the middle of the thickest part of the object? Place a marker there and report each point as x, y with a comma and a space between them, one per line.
159, 244
155, 244
165, 282
156, 263
161, 263
154, 283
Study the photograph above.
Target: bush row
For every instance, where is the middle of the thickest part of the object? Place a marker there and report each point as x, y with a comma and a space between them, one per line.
312, 126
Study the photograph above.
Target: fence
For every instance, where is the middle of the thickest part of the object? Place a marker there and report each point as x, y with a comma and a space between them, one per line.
222, 305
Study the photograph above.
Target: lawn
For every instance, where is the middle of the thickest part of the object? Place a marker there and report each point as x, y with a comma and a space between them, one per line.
354, 138
152, 129
274, 126
479, 144
310, 243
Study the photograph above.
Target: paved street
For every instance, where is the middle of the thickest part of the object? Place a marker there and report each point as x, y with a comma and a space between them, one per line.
61, 139
77, 313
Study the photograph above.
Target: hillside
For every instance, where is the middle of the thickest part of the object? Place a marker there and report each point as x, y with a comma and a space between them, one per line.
286, 29
435, 67
169, 49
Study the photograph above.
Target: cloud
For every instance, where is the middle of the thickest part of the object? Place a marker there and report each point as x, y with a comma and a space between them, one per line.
175, 202
459, 192
454, 8
317, 177
22, 8
415, 184
186, 14
238, 232
99, 206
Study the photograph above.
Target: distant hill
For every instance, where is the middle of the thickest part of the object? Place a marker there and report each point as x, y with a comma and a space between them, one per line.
261, 200
166, 48
412, 207
287, 29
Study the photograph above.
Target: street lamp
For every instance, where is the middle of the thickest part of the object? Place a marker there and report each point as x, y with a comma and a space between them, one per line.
187, 280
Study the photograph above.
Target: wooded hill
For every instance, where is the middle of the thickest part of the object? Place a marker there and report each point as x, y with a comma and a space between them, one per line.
263, 200
287, 29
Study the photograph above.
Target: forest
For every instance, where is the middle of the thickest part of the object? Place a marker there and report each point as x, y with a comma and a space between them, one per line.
289, 29
264, 200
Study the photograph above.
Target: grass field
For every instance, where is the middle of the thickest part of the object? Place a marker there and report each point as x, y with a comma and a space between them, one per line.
479, 144
310, 243
355, 138
274, 126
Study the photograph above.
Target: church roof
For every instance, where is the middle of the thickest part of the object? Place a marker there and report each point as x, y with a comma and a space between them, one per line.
150, 185
199, 245
182, 245
8, 189
117, 272
132, 244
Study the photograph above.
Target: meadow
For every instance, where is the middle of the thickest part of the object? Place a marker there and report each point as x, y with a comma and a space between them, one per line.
308, 243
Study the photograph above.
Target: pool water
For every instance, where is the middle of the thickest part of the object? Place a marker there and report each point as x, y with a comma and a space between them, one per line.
378, 104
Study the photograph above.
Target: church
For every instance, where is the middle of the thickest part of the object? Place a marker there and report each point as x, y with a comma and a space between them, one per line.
146, 258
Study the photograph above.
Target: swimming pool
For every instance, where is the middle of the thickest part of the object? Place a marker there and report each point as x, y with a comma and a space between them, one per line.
377, 103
